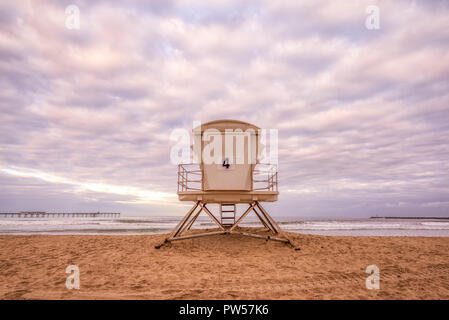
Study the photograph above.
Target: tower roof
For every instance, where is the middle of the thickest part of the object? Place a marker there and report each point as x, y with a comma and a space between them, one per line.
221, 125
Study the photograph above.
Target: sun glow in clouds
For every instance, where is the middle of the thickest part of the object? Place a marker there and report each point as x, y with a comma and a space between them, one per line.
143, 196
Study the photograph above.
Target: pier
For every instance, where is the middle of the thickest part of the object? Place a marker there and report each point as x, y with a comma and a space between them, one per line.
39, 214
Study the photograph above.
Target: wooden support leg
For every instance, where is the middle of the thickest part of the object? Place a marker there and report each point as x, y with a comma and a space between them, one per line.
275, 225
183, 222
263, 216
269, 219
179, 226
265, 224
189, 225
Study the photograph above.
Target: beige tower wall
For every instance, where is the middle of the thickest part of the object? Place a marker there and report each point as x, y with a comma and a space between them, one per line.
238, 178
242, 157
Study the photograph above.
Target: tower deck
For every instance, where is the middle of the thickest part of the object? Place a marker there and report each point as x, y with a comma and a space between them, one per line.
228, 196
264, 181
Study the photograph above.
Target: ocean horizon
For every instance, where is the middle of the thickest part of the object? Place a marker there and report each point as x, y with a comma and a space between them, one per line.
137, 225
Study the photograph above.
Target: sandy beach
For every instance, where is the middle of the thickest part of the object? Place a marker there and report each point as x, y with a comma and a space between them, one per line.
223, 267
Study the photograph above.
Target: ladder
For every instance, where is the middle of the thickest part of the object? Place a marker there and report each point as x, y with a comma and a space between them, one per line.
227, 214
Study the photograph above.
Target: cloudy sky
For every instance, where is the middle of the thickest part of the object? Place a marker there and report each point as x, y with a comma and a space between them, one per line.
363, 115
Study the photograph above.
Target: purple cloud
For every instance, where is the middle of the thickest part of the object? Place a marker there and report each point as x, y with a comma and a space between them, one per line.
362, 114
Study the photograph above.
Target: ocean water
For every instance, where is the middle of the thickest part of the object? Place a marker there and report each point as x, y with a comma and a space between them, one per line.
151, 225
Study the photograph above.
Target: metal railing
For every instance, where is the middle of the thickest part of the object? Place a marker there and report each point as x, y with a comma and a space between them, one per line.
265, 177
185, 180
190, 177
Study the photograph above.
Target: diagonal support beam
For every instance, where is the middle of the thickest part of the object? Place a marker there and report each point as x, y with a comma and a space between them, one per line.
263, 216
212, 216
270, 220
265, 223
190, 223
251, 206
275, 225
179, 226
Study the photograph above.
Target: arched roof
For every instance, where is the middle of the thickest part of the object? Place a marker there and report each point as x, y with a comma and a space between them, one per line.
226, 124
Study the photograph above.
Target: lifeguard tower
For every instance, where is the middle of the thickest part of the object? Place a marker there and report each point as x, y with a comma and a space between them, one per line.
227, 172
